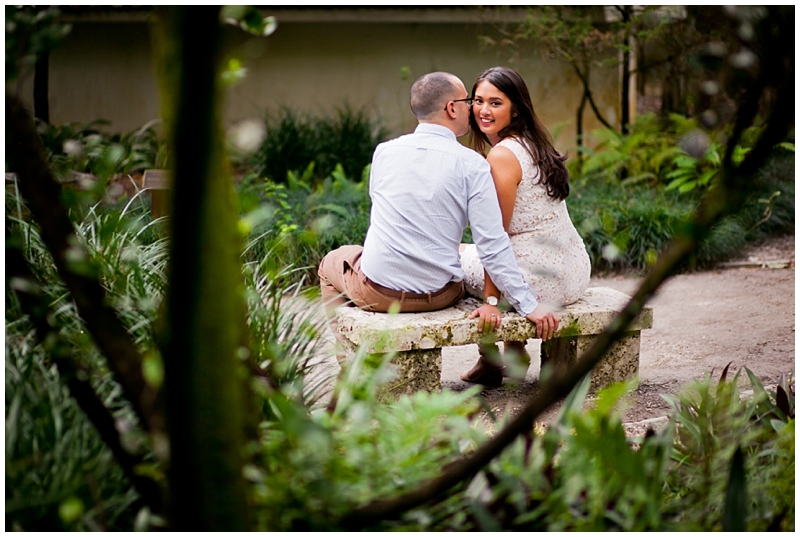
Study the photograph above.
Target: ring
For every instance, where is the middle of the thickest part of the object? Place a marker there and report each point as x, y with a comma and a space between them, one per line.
492, 314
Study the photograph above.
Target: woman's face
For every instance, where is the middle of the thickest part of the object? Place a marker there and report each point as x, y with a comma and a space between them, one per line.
492, 110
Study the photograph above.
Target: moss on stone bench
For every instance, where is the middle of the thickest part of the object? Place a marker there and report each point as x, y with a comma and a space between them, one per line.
419, 337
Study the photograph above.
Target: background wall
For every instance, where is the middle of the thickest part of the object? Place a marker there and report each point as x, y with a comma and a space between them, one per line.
311, 63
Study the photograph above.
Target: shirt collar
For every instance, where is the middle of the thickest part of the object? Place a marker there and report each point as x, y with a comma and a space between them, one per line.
433, 128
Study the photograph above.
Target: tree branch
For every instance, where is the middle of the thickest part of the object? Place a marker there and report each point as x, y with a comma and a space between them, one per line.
588, 94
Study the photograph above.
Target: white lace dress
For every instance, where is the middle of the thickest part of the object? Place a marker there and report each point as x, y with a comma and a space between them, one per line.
550, 253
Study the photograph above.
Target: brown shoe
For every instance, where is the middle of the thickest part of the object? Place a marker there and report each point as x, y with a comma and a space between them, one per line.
486, 370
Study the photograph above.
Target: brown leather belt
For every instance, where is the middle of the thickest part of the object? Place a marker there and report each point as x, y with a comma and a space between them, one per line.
405, 295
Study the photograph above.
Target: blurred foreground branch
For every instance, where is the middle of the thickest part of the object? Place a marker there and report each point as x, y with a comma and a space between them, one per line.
204, 339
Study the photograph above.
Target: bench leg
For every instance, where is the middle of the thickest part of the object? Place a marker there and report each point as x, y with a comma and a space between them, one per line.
416, 370
620, 363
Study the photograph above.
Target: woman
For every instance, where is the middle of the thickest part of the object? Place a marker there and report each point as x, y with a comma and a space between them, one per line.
532, 183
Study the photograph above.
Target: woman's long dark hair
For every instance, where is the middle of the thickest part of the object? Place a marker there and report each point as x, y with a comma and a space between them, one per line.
527, 127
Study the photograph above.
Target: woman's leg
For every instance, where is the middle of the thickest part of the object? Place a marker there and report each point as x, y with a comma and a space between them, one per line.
488, 370
517, 359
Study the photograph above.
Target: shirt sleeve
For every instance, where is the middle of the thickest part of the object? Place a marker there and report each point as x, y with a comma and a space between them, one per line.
492, 242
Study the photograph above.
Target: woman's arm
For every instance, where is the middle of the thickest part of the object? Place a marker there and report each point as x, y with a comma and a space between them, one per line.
507, 174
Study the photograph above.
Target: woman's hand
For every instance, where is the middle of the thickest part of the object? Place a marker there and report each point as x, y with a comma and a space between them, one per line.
489, 318
545, 320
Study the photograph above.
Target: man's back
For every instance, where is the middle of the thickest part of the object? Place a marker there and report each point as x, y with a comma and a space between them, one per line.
420, 186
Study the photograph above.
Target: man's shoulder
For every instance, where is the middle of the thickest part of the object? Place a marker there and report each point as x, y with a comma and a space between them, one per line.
434, 143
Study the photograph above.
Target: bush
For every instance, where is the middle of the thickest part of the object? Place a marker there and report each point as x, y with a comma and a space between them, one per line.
583, 473
60, 475
626, 222
296, 224
293, 141
84, 148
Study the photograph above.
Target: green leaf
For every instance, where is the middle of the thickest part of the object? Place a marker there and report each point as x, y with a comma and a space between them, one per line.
685, 161
706, 177
734, 516
153, 369
574, 401
677, 182
739, 153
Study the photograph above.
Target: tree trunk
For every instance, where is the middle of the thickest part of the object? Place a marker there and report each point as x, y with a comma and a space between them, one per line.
579, 129
625, 99
206, 308
41, 88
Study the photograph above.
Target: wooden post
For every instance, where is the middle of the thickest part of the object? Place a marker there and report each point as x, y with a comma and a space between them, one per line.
158, 182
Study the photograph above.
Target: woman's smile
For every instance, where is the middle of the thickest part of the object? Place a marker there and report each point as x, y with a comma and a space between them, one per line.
492, 110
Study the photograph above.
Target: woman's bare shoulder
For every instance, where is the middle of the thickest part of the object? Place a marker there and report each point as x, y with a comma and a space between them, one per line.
502, 155
505, 165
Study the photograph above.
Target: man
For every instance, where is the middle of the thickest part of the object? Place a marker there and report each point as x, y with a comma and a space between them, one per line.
425, 188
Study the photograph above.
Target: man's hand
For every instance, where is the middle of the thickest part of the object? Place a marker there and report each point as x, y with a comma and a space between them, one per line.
489, 320
545, 320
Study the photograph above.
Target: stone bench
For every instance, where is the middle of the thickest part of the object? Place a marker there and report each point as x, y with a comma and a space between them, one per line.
418, 338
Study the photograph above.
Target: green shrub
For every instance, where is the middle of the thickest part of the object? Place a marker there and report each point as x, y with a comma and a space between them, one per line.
315, 466
294, 140
625, 224
583, 473
295, 224
645, 155
84, 148
712, 423
60, 475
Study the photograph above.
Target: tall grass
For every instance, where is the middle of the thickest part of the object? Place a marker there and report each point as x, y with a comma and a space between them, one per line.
59, 474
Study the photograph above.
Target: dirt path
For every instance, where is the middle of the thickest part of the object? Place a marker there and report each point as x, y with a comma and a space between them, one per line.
742, 314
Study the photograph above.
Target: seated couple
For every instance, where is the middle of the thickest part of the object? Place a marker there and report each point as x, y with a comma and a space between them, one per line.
425, 188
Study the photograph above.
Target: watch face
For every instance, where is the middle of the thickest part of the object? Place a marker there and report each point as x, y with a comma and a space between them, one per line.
491, 300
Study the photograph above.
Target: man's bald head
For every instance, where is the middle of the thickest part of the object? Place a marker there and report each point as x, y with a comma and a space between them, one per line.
430, 93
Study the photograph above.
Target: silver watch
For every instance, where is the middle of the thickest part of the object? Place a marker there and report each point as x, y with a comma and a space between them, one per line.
491, 300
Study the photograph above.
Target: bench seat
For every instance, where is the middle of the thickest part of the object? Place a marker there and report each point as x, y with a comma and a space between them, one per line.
418, 338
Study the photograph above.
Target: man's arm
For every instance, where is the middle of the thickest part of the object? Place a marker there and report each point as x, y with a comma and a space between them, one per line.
492, 242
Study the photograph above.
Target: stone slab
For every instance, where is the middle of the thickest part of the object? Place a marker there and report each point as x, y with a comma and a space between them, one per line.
381, 332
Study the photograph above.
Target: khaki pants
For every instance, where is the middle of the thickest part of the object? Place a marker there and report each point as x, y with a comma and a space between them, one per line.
340, 274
